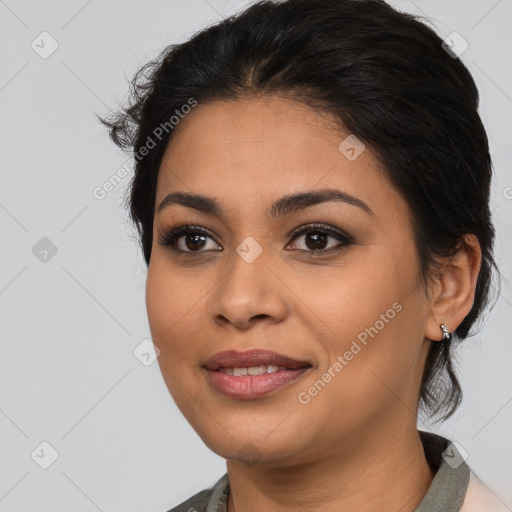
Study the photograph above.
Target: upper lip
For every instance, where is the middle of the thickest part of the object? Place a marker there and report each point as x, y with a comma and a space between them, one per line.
256, 357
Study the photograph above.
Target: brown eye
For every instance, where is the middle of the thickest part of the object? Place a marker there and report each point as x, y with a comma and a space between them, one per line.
186, 239
316, 239
194, 242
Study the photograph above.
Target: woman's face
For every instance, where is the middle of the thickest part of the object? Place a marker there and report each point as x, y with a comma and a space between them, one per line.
346, 305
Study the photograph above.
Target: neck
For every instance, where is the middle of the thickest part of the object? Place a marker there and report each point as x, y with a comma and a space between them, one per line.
378, 470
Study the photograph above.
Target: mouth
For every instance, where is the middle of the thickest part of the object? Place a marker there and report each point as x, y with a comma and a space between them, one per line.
253, 370
252, 374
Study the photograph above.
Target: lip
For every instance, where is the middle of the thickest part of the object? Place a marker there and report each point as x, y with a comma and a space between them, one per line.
252, 386
256, 357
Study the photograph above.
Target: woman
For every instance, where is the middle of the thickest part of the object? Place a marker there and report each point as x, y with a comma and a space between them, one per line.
312, 197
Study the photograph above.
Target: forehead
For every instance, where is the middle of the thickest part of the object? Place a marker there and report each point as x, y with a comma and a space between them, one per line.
259, 149
250, 129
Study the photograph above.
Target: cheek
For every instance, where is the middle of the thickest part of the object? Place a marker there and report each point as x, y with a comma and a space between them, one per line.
369, 324
369, 371
160, 300
175, 303
169, 312
340, 302
164, 310
173, 298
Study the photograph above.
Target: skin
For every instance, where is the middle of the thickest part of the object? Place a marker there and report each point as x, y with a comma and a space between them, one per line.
355, 445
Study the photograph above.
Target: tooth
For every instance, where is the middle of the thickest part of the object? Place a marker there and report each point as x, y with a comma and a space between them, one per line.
237, 372
229, 371
272, 368
256, 370
282, 368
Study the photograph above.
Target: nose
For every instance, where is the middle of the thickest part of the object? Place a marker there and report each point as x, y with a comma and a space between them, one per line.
248, 294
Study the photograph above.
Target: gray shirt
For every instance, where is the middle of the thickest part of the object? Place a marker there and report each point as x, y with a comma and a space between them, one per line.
446, 492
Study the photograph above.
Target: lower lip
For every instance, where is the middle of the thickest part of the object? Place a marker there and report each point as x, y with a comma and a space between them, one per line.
252, 386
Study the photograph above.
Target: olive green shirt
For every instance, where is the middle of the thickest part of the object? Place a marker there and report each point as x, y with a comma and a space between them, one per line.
446, 493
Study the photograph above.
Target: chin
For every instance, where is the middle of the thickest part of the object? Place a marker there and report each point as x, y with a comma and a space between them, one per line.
238, 441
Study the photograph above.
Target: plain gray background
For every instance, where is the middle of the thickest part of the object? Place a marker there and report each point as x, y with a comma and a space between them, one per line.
72, 320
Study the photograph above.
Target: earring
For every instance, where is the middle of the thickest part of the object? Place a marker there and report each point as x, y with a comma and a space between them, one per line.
447, 335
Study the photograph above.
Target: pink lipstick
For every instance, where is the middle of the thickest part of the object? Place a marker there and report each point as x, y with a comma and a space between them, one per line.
252, 374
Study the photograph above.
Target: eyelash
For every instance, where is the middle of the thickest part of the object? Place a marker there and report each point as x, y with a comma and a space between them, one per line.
171, 235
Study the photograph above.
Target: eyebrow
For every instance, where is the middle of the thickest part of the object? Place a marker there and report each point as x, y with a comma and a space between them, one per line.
283, 206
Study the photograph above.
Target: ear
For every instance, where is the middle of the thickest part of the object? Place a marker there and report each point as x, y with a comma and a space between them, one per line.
453, 291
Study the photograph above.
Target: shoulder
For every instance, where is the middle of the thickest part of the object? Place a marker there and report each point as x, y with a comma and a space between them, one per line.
480, 498
214, 498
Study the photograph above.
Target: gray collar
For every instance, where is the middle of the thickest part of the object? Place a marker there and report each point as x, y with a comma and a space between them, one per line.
451, 478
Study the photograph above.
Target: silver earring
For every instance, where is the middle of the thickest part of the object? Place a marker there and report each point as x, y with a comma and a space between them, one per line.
447, 335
